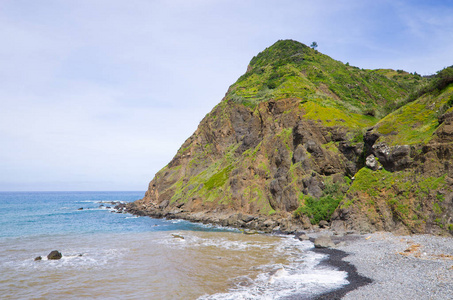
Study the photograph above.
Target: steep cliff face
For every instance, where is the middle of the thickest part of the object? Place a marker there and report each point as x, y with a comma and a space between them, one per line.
289, 142
412, 192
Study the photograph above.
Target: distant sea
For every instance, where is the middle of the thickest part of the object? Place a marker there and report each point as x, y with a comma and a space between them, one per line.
109, 255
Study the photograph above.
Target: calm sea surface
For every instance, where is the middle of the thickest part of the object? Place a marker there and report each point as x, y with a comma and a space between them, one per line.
108, 255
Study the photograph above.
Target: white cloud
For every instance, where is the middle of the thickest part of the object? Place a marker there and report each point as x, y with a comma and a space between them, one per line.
101, 94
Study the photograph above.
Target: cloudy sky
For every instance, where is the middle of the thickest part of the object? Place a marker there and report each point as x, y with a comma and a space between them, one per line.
100, 94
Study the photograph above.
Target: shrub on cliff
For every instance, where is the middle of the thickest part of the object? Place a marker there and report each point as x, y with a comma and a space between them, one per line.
318, 209
323, 207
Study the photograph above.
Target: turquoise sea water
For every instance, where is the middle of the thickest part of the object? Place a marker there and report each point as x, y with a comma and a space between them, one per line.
109, 255
48, 213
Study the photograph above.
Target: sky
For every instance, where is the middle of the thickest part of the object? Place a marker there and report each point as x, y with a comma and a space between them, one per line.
100, 94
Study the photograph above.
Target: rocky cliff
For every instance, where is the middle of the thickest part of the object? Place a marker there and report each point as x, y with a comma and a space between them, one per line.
301, 139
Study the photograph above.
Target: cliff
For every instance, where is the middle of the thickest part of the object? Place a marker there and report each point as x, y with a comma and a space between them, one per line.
301, 139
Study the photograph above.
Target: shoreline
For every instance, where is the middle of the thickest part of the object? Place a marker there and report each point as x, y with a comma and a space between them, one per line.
379, 265
283, 224
335, 259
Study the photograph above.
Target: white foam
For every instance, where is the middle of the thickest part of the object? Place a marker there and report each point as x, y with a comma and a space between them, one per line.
176, 221
85, 259
109, 201
301, 276
284, 283
224, 243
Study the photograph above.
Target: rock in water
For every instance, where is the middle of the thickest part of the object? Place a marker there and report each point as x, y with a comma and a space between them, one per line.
55, 254
177, 236
38, 258
324, 241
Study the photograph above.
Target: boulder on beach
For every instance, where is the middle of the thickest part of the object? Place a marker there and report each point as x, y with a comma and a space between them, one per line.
55, 254
323, 224
324, 241
303, 237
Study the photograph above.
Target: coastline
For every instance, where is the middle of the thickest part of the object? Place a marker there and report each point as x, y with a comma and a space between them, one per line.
380, 265
336, 259
283, 224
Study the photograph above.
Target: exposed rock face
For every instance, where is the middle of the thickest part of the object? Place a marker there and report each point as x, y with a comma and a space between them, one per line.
371, 162
254, 162
280, 150
416, 197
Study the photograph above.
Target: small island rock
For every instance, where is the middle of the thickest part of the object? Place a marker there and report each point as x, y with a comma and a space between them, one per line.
55, 254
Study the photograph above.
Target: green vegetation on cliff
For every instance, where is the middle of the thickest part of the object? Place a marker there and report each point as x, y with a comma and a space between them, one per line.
291, 69
323, 207
415, 200
303, 135
416, 121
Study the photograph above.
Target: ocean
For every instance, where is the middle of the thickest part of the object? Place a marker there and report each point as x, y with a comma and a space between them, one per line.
109, 255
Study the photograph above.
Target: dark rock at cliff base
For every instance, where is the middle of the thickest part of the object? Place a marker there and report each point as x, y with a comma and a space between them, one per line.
324, 241
303, 237
164, 204
55, 254
246, 218
323, 224
120, 207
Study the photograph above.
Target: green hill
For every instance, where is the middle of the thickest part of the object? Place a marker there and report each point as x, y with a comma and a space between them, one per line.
301, 138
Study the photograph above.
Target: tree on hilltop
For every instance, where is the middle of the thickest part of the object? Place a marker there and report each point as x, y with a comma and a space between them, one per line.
314, 45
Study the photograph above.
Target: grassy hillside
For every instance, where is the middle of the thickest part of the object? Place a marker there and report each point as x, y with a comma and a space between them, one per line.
416, 121
291, 139
291, 69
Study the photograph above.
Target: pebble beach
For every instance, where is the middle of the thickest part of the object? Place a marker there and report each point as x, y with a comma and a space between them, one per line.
399, 267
